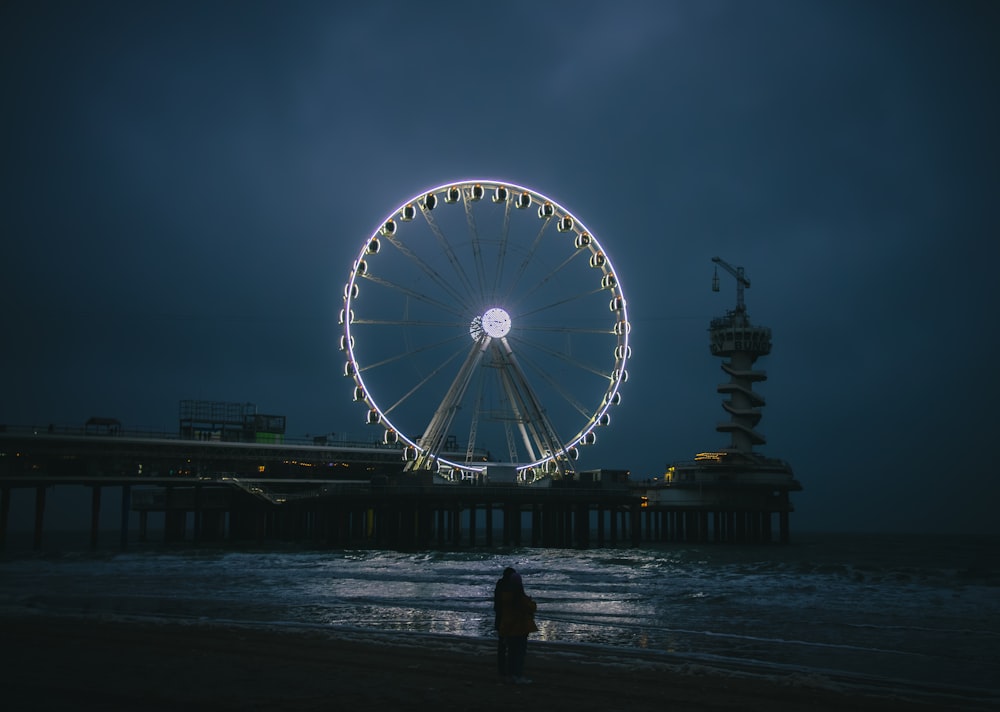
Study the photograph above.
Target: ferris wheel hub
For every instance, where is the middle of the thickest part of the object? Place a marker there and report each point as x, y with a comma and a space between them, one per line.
495, 323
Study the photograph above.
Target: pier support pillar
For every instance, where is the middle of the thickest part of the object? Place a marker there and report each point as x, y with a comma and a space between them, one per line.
39, 516
582, 528
4, 515
95, 514
753, 526
348, 525
174, 525
550, 525
197, 512
456, 518
126, 508
212, 525
425, 525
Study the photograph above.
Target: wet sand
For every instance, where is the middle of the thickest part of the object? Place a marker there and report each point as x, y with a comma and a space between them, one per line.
78, 663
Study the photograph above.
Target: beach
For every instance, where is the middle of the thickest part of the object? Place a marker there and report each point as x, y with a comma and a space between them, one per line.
94, 663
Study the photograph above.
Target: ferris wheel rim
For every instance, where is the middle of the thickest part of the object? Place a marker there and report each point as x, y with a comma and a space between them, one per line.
619, 374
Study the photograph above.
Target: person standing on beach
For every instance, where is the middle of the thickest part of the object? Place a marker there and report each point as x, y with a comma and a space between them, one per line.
516, 620
502, 585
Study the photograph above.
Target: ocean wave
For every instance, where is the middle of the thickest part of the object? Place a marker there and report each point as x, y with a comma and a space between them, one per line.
842, 609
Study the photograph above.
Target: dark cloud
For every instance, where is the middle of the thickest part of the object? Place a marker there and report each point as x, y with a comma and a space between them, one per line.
185, 186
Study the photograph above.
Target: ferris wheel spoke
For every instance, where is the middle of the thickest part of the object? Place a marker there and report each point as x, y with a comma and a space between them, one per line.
424, 381
548, 278
410, 322
563, 329
450, 308
560, 302
449, 252
407, 353
425, 268
562, 356
527, 259
477, 251
556, 386
502, 249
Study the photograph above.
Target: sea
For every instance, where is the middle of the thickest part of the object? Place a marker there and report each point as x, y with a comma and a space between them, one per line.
915, 613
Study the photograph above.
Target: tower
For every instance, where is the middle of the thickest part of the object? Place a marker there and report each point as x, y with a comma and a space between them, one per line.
733, 494
735, 338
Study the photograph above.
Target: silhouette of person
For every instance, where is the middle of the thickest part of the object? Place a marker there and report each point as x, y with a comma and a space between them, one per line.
516, 622
502, 585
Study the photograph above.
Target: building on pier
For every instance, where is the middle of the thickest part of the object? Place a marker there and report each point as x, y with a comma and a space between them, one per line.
231, 422
732, 494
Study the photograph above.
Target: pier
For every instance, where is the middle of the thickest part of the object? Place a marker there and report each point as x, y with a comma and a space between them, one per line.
348, 494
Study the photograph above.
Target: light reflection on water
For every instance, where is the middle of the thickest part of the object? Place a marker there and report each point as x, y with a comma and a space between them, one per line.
922, 613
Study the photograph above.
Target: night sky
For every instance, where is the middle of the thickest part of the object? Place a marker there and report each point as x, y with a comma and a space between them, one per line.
185, 186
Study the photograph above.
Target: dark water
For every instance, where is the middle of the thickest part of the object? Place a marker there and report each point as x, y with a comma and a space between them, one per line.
910, 612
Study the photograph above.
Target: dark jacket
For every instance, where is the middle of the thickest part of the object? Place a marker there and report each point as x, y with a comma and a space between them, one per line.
516, 611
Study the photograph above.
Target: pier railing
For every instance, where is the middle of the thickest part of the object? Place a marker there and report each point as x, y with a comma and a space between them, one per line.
367, 440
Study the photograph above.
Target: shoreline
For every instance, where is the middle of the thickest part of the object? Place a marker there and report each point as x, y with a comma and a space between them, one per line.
54, 662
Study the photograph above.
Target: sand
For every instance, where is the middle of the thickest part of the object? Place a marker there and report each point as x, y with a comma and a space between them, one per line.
78, 663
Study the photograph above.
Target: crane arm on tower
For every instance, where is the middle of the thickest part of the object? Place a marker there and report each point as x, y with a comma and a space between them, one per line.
741, 280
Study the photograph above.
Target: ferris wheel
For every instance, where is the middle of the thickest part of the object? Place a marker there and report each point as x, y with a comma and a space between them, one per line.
484, 325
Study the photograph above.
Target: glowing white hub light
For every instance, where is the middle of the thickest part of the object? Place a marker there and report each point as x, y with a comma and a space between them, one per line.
495, 323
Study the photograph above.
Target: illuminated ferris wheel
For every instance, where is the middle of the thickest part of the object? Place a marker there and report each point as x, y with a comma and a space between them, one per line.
484, 325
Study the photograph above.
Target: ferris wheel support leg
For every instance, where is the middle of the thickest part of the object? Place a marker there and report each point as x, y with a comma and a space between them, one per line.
545, 434
517, 407
437, 429
470, 447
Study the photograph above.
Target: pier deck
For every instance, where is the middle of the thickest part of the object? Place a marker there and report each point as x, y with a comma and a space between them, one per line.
345, 494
